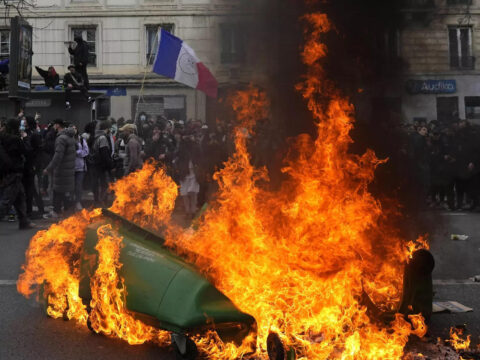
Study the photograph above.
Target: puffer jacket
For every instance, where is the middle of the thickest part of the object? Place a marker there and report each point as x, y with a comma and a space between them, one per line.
63, 162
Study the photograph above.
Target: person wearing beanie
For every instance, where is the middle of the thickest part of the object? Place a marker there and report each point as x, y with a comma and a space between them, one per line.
133, 147
73, 80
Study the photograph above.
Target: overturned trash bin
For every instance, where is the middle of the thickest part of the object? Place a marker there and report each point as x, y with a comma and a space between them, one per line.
163, 290
417, 294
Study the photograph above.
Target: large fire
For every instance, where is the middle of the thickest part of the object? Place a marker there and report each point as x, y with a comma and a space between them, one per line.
300, 259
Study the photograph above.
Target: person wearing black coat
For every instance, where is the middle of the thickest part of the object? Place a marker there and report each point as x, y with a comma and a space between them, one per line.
420, 157
73, 80
62, 167
50, 76
80, 58
11, 187
34, 149
468, 165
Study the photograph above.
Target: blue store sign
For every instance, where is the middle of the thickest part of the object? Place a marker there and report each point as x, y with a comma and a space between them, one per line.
431, 86
113, 91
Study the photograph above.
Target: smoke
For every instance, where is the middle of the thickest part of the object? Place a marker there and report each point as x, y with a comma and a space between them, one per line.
359, 59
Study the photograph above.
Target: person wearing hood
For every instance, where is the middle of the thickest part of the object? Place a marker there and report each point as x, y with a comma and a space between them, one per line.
133, 149
80, 58
62, 166
50, 76
32, 165
12, 162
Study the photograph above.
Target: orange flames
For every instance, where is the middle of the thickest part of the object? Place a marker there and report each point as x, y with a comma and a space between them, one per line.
53, 263
108, 314
145, 197
457, 341
300, 259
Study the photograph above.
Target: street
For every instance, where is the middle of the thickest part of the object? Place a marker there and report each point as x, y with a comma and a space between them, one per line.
27, 333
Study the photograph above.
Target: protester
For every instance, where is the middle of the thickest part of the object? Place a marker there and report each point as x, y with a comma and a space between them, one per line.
62, 166
34, 144
187, 170
159, 145
421, 160
120, 155
50, 76
12, 155
100, 162
133, 149
73, 80
80, 58
80, 167
467, 154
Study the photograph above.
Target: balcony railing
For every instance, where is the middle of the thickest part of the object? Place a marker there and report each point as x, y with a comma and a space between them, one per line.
462, 63
459, 2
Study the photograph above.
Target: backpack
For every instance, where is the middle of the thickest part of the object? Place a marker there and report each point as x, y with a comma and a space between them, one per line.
93, 158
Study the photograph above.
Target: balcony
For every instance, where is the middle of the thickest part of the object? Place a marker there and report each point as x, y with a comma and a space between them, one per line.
458, 2
462, 63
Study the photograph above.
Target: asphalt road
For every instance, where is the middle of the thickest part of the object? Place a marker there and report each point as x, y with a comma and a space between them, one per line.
27, 333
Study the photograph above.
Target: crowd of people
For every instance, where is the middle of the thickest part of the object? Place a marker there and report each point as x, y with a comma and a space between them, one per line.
70, 169
444, 159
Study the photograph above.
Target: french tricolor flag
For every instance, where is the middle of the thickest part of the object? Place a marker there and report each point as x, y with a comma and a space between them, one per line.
176, 60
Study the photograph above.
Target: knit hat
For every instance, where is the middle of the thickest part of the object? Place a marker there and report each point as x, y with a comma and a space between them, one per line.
128, 127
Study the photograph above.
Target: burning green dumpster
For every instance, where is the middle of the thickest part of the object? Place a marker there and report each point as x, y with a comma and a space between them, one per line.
162, 290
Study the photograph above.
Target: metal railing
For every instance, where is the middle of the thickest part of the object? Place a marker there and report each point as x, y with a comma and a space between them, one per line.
462, 63
459, 2
418, 4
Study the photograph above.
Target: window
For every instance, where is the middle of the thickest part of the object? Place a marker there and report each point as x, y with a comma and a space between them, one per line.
88, 34
460, 38
152, 40
459, 2
447, 109
390, 45
472, 107
232, 44
4, 44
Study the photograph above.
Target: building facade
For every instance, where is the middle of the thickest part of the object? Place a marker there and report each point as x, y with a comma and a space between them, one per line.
122, 38
426, 64
441, 42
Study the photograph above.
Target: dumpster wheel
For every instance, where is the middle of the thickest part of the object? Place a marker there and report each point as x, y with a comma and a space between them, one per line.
277, 350
185, 348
